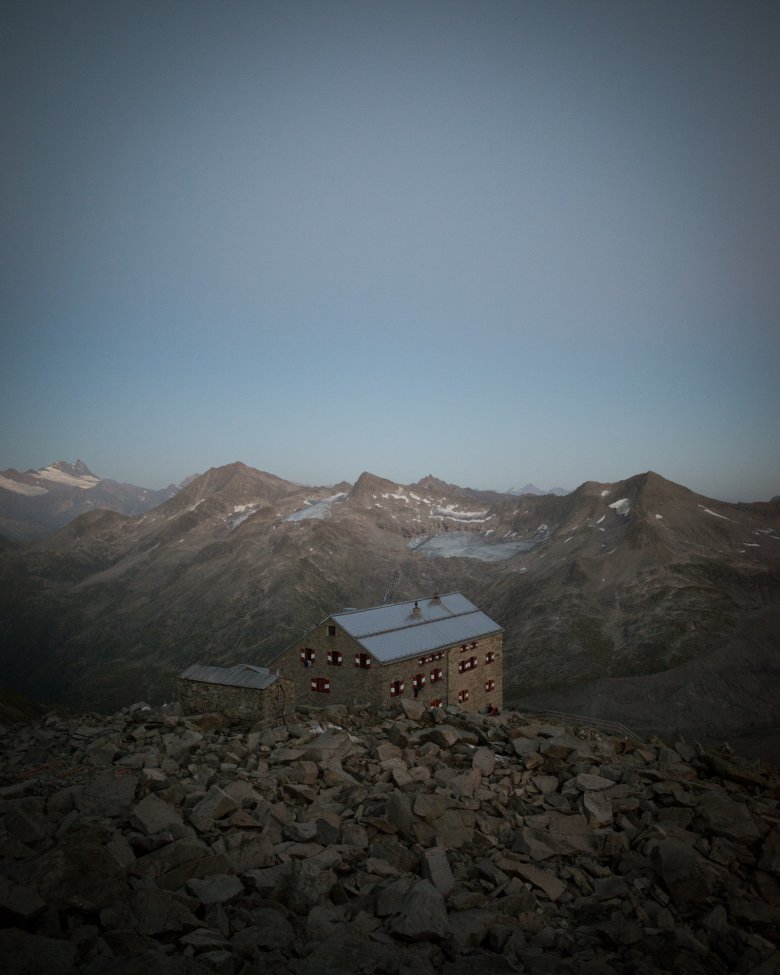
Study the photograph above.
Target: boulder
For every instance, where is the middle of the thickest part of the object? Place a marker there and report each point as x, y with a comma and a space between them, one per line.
212, 807
152, 814
23, 953
684, 872
720, 816
436, 868
422, 916
160, 912
219, 888
549, 884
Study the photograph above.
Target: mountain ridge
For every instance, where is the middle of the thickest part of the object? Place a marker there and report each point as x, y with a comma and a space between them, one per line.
610, 582
36, 502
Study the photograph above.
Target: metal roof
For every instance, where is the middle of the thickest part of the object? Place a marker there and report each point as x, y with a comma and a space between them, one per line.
396, 631
240, 675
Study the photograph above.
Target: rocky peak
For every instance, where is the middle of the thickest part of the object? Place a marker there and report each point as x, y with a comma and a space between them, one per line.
79, 469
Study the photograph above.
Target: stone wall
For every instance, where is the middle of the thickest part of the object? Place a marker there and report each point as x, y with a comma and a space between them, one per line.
344, 683
272, 705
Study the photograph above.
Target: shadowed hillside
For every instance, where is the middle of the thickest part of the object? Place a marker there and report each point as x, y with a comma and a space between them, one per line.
637, 599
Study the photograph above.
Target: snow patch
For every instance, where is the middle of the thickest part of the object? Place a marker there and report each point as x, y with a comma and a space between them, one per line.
659, 516
399, 495
84, 482
316, 509
19, 487
604, 494
622, 507
451, 513
715, 514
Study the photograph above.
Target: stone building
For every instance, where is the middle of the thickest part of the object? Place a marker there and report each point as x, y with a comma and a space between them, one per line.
243, 693
441, 650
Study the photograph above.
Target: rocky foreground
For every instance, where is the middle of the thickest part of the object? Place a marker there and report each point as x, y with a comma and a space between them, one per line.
410, 842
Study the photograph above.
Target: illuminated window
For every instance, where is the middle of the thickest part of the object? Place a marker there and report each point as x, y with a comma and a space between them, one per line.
396, 688
362, 660
465, 665
335, 658
307, 656
321, 685
429, 658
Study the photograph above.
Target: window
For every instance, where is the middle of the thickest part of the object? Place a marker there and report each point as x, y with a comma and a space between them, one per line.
490, 685
331, 629
362, 660
418, 682
436, 703
436, 674
321, 685
396, 688
335, 658
490, 657
307, 656
465, 665
463, 696
468, 646
429, 659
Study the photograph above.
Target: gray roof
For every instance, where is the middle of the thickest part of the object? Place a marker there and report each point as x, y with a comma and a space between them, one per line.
394, 632
240, 675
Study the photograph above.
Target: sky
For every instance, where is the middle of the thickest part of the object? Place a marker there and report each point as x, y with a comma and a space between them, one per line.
498, 242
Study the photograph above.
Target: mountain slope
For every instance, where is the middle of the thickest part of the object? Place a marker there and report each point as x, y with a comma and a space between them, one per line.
36, 502
612, 582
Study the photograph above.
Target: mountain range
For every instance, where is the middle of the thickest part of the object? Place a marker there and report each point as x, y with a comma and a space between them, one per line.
36, 502
533, 489
638, 601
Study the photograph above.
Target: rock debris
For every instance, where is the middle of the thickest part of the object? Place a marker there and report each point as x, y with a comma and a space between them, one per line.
399, 843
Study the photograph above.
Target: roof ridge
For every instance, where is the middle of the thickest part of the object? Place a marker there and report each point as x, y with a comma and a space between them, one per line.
402, 602
421, 622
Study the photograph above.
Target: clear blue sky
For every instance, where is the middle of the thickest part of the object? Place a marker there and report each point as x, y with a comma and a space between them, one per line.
492, 241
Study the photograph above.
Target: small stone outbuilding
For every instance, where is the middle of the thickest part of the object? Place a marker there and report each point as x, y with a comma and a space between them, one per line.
243, 692
440, 649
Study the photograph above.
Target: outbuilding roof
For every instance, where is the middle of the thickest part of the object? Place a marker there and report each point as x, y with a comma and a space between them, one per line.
240, 675
399, 630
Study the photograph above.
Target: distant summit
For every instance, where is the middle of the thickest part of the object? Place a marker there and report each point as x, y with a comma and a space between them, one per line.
537, 492
79, 469
36, 502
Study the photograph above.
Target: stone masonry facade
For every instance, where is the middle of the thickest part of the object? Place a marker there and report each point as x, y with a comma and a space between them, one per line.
272, 705
328, 666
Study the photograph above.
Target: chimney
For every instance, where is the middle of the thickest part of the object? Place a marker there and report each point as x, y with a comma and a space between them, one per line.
436, 599
416, 612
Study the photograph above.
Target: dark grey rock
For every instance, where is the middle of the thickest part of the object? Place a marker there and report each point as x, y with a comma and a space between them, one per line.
423, 914
218, 888
152, 814
23, 953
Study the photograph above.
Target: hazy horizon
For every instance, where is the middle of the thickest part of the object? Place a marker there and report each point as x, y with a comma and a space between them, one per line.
496, 242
